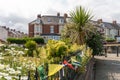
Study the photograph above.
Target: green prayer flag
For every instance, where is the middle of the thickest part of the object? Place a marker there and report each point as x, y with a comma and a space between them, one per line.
75, 62
79, 58
41, 72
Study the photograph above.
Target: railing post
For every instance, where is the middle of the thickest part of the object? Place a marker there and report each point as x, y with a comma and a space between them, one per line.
19, 77
105, 51
28, 75
36, 75
117, 51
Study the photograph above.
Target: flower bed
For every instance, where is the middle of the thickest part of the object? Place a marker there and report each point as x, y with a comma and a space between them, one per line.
14, 62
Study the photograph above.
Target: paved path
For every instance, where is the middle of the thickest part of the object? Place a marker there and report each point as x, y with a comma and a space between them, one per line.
107, 68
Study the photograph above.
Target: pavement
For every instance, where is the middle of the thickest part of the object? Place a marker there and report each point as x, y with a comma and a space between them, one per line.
107, 68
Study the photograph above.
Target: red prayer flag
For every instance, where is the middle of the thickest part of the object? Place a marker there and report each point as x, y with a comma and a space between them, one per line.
68, 64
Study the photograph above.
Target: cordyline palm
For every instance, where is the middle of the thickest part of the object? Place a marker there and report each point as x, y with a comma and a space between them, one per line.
78, 28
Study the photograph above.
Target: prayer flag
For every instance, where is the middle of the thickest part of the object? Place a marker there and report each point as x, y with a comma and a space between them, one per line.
54, 68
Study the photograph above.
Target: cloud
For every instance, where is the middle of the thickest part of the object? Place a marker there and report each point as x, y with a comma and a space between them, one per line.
18, 13
15, 21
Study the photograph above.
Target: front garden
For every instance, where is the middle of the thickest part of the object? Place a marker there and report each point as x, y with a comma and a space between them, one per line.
64, 59
16, 61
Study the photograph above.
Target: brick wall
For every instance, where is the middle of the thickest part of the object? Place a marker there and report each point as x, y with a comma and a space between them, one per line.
46, 28
31, 30
56, 28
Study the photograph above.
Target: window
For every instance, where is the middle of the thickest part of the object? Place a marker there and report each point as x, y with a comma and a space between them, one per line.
51, 29
61, 20
49, 20
60, 28
38, 29
38, 21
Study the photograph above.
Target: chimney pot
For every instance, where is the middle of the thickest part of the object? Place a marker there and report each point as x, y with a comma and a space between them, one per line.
99, 21
58, 14
65, 15
114, 22
39, 16
8, 28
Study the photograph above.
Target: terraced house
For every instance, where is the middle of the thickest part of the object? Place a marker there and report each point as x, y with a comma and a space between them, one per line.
6, 32
107, 29
47, 26
50, 27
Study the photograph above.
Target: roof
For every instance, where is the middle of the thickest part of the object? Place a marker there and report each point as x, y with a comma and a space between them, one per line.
116, 26
37, 21
49, 20
108, 25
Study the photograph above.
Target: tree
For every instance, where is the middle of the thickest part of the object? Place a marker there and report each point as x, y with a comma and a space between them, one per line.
79, 26
95, 43
31, 45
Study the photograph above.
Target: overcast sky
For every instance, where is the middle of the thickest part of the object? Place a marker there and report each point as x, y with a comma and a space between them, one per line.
17, 14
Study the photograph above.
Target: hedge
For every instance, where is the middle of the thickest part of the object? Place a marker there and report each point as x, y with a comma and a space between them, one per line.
24, 40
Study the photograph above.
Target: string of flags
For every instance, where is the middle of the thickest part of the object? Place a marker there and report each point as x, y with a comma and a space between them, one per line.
54, 68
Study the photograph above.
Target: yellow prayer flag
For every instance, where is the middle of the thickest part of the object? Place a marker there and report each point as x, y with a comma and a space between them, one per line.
54, 68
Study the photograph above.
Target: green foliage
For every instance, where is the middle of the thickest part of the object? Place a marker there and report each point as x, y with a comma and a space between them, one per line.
24, 40
56, 50
61, 51
38, 40
110, 40
79, 26
16, 40
81, 16
95, 43
31, 45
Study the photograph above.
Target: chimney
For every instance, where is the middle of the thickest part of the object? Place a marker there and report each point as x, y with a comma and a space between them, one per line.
18, 31
99, 21
4, 27
8, 28
39, 16
65, 15
58, 14
114, 22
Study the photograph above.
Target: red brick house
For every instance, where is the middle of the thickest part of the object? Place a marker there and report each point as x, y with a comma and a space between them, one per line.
47, 26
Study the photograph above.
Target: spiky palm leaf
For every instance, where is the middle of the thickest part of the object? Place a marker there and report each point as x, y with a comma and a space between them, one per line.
78, 28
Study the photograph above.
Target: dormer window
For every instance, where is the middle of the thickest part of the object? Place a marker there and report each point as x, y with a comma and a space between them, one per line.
61, 20
38, 21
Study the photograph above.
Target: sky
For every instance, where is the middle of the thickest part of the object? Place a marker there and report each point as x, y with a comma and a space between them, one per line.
16, 14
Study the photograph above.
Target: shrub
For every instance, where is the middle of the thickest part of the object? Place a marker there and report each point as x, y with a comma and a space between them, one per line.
110, 39
95, 42
16, 40
24, 40
38, 40
31, 45
56, 50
